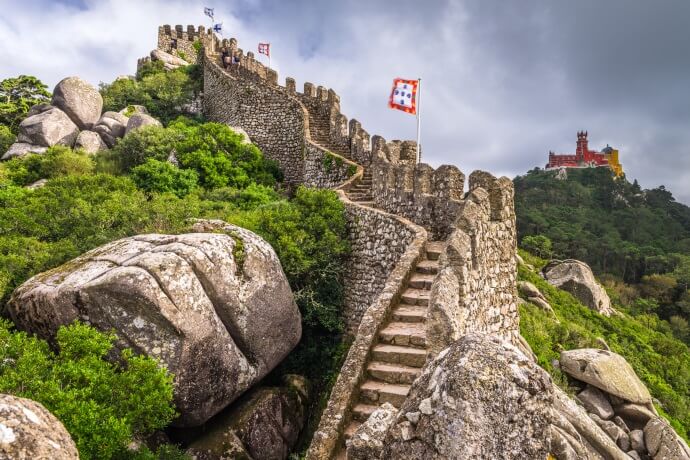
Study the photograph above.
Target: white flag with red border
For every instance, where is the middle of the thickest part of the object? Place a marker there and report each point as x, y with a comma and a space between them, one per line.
404, 95
265, 48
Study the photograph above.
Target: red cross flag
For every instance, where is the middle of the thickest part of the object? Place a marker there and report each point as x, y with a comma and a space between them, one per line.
404, 95
265, 48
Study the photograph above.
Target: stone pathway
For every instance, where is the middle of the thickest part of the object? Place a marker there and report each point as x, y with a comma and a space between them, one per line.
398, 357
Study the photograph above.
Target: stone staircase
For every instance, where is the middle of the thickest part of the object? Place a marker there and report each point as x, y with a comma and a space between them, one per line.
361, 191
396, 360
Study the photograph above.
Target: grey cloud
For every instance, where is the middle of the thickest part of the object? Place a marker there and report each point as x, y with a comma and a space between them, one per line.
503, 82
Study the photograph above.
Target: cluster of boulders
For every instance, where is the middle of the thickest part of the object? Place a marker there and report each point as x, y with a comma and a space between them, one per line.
484, 398
214, 306
29, 431
621, 405
74, 119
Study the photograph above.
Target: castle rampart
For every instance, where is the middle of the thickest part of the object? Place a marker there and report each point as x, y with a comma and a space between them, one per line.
475, 290
316, 145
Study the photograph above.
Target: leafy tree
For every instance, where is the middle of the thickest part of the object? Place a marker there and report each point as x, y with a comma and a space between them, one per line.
537, 244
103, 405
163, 177
17, 96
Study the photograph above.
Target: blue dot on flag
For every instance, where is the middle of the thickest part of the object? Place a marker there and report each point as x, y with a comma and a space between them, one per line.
402, 101
408, 95
396, 92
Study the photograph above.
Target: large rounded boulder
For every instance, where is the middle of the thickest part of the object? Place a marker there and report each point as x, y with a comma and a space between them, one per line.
607, 371
80, 100
215, 308
577, 278
29, 431
479, 399
46, 127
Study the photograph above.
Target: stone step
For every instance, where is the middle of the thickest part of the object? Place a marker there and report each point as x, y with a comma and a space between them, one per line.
434, 249
365, 203
393, 373
375, 392
395, 354
421, 280
429, 267
406, 334
350, 429
413, 296
409, 314
361, 412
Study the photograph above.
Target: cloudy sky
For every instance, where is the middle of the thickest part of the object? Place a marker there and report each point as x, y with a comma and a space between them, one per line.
502, 82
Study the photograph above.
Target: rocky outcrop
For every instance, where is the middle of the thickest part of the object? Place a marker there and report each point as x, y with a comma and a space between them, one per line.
50, 126
111, 126
169, 61
607, 371
619, 403
265, 424
90, 142
79, 100
480, 398
29, 431
139, 120
483, 398
662, 442
20, 149
577, 278
215, 308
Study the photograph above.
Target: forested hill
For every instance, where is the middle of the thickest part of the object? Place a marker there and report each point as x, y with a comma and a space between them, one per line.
612, 224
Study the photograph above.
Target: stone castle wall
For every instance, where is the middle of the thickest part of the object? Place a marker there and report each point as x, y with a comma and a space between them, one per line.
475, 290
413, 203
379, 241
179, 41
430, 198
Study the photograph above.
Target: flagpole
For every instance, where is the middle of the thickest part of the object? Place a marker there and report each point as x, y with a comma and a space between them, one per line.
419, 109
269, 55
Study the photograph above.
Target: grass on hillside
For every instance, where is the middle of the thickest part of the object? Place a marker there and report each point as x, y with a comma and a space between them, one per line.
661, 361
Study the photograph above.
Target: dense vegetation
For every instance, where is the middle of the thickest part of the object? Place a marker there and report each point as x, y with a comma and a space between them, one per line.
155, 180
103, 405
647, 343
637, 241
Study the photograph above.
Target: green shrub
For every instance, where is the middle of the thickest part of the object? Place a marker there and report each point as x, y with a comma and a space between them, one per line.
55, 162
213, 150
162, 92
7, 138
163, 177
102, 405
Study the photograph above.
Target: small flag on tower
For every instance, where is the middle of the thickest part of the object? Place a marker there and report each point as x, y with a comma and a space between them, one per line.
404, 95
265, 48
218, 28
208, 12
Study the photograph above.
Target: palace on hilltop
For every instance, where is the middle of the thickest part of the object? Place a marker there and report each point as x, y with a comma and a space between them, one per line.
586, 158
